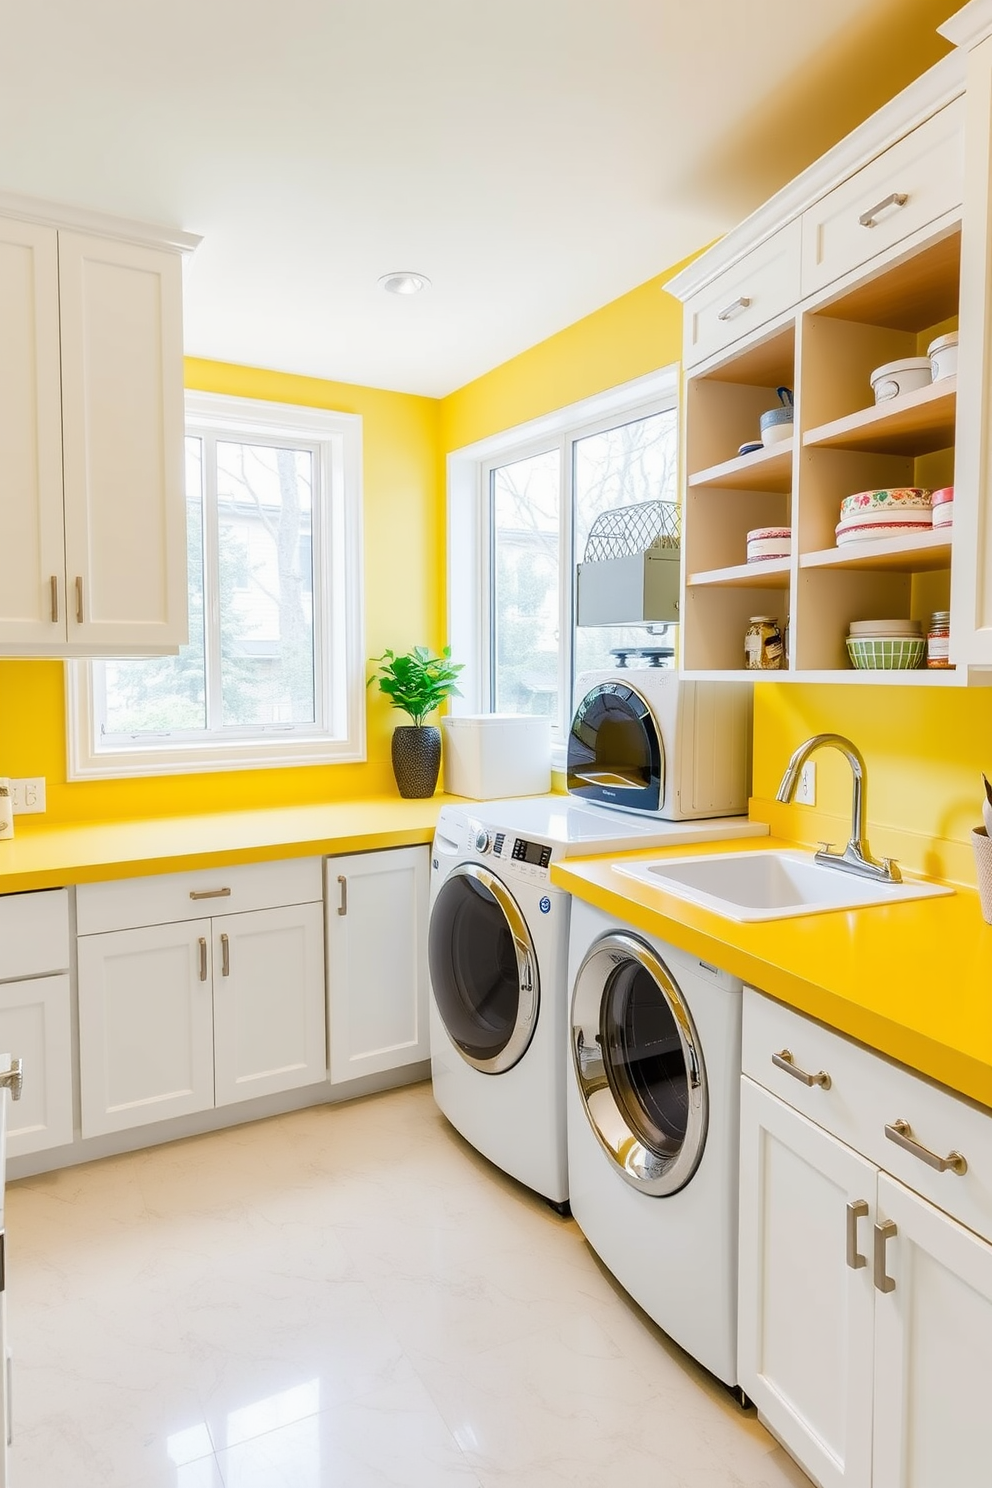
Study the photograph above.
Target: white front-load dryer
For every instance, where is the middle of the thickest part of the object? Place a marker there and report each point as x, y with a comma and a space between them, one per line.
498, 958
652, 1104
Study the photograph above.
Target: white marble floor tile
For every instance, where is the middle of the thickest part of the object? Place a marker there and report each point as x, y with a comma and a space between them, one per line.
345, 1297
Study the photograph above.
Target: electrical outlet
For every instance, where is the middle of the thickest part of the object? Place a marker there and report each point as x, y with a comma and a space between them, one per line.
29, 795
806, 794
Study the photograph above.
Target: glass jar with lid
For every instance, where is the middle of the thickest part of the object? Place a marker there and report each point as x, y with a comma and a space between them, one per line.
939, 640
763, 648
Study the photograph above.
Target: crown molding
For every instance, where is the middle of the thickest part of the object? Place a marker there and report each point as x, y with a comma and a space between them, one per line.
102, 224
969, 26
937, 87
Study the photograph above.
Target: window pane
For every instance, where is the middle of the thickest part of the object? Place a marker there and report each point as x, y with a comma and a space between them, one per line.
621, 467
162, 693
264, 507
525, 517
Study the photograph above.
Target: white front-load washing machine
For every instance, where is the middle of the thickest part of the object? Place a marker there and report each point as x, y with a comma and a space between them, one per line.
498, 954
652, 1105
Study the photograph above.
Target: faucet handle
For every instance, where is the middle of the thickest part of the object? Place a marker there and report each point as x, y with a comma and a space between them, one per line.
825, 847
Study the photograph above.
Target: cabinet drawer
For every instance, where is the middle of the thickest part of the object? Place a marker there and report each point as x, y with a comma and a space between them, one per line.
864, 216
866, 1093
34, 933
128, 903
763, 284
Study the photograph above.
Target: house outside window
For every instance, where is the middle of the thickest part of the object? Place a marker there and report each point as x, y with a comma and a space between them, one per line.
273, 669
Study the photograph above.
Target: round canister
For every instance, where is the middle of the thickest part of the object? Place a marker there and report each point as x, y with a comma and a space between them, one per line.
943, 354
903, 376
769, 542
943, 507
885, 499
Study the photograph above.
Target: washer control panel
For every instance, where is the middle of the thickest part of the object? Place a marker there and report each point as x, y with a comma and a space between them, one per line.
529, 859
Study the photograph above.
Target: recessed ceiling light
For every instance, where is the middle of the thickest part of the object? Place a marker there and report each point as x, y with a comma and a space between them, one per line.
404, 283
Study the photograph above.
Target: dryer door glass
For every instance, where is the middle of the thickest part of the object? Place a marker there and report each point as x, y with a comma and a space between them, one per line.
638, 1065
614, 752
483, 969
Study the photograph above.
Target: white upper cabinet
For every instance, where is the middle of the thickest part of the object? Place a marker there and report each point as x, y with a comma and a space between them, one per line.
909, 185
91, 438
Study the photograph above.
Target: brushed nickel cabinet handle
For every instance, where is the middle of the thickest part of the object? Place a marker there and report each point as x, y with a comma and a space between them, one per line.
343, 901
203, 958
14, 1078
856, 1210
885, 1231
785, 1061
210, 893
897, 199
901, 1133
730, 310
79, 600
54, 586
225, 956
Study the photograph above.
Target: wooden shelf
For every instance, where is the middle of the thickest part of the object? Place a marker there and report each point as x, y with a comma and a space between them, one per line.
769, 573
919, 553
765, 470
846, 676
912, 424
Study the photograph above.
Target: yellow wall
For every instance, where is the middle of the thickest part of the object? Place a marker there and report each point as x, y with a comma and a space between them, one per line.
404, 606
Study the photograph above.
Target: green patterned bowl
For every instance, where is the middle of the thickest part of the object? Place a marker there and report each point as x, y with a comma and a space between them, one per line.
886, 654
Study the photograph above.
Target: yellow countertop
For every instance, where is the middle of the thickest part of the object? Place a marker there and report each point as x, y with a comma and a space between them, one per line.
912, 980
46, 857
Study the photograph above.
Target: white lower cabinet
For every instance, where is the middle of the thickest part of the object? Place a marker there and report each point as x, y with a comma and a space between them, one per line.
268, 980
805, 1315
35, 1026
208, 1010
865, 1312
377, 961
36, 1017
145, 1026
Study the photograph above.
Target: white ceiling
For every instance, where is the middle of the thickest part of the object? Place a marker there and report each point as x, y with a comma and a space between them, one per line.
535, 158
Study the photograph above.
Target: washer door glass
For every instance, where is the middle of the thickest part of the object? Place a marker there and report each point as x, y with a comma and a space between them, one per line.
639, 1068
483, 969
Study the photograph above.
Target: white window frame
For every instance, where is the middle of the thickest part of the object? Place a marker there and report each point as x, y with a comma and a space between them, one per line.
470, 558
338, 735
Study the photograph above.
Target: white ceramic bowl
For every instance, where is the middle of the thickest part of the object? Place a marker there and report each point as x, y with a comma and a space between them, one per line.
774, 433
943, 354
903, 376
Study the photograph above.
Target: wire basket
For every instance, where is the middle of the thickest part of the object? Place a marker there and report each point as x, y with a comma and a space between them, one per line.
628, 530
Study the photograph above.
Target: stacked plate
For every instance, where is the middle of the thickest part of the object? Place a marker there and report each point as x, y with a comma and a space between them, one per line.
886, 645
895, 511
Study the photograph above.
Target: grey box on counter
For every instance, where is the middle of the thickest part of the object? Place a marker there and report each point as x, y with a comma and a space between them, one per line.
640, 590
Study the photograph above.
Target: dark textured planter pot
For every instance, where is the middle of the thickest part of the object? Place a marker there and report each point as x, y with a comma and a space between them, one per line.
416, 760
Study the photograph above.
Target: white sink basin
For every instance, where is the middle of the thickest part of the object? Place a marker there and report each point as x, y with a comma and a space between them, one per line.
770, 885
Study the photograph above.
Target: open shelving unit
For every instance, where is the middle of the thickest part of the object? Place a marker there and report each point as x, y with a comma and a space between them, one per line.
843, 443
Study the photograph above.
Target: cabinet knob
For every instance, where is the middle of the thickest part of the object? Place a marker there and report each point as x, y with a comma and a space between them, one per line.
203, 958
895, 199
883, 1232
784, 1061
225, 955
343, 900
79, 601
54, 586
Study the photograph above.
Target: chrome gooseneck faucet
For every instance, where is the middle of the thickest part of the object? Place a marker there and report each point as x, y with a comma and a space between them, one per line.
856, 857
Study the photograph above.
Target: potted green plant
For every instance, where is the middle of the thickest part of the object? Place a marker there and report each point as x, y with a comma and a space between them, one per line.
417, 683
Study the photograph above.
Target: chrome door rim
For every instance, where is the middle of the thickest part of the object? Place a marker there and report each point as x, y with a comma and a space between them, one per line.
528, 980
638, 1164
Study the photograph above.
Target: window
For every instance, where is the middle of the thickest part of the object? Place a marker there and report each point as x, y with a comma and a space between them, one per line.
536, 492
273, 669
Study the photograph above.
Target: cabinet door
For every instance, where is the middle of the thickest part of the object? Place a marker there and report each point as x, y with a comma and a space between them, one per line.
145, 1026
971, 575
377, 961
123, 431
933, 1349
268, 1001
32, 585
35, 1026
805, 1295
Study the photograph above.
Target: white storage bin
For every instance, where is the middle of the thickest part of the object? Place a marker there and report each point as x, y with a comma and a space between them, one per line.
491, 755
